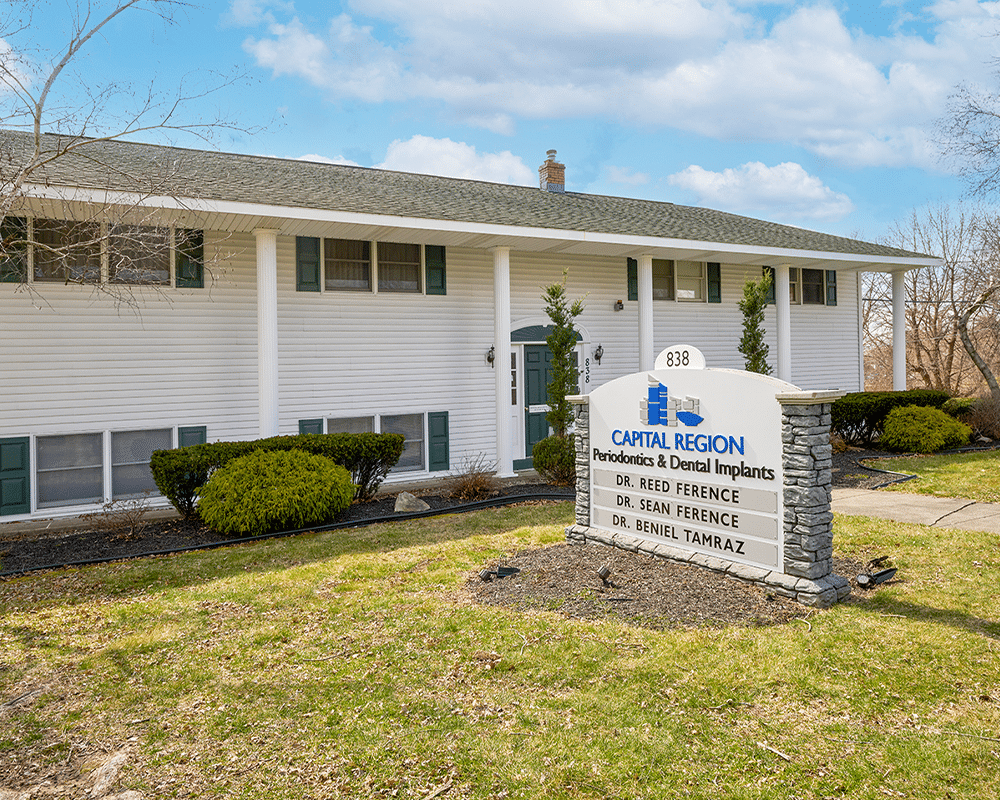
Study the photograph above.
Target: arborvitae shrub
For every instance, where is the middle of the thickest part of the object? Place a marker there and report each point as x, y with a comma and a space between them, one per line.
554, 458
916, 429
959, 407
267, 491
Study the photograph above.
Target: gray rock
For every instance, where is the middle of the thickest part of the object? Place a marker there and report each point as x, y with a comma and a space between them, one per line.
407, 502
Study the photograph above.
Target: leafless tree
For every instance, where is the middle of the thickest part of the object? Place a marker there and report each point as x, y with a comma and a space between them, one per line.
55, 116
937, 301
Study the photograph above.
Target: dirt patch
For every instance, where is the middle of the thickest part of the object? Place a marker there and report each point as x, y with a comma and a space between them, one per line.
640, 590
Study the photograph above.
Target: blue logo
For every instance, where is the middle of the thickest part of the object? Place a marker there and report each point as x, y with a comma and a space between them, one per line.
659, 408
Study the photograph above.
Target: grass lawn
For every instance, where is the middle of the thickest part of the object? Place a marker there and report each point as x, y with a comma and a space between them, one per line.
352, 664
975, 476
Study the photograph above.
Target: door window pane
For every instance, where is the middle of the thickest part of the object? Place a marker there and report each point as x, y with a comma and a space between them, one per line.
130, 455
70, 469
412, 428
347, 265
398, 267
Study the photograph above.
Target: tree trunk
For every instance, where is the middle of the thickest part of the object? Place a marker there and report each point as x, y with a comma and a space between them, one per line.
963, 329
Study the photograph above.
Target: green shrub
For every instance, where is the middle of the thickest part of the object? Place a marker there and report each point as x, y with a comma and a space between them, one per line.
860, 417
267, 491
555, 459
958, 407
916, 429
367, 456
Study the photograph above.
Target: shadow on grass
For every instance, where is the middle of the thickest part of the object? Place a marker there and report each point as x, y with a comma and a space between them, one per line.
158, 573
943, 616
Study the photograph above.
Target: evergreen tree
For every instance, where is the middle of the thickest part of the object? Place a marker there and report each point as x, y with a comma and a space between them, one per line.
562, 343
752, 345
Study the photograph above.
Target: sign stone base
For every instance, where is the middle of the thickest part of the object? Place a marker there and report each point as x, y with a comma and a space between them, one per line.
808, 522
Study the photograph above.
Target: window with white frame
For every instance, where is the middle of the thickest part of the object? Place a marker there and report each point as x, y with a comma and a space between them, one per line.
347, 265
813, 287
131, 452
139, 254
350, 425
68, 251
398, 267
411, 426
69, 469
690, 280
663, 279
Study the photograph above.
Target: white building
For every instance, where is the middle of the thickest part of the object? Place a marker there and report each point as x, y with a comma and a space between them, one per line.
300, 296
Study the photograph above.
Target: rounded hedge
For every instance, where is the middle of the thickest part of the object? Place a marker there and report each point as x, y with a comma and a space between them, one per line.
919, 429
554, 458
275, 490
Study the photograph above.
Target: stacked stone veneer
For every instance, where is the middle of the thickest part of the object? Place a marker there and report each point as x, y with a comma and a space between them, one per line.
808, 521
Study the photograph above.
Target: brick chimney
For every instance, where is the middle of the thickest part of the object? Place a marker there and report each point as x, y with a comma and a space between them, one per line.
552, 174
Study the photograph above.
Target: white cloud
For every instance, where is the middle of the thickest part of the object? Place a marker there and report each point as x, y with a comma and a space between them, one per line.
431, 156
626, 176
327, 160
785, 190
707, 66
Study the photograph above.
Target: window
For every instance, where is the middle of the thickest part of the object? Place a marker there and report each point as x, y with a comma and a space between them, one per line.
663, 279
130, 455
350, 425
347, 265
139, 254
70, 469
690, 280
813, 288
13, 250
189, 259
793, 285
412, 428
398, 267
66, 251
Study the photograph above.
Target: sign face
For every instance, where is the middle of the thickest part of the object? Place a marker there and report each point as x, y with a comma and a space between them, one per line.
690, 457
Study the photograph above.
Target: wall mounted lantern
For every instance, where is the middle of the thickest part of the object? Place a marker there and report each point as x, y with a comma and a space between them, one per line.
619, 305
491, 355
599, 353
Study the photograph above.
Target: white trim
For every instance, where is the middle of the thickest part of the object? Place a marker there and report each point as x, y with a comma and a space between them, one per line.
625, 244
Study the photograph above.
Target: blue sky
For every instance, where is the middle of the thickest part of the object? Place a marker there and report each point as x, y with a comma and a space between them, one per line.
820, 115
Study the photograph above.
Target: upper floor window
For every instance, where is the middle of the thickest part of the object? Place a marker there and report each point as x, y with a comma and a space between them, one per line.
66, 251
398, 267
347, 265
139, 254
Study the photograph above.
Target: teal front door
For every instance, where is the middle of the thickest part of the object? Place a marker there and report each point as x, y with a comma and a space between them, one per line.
537, 376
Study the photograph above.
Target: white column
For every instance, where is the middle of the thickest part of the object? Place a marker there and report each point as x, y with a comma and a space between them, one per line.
783, 321
267, 330
898, 331
647, 357
501, 364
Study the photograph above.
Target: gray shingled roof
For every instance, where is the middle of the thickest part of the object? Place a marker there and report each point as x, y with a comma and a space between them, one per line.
303, 184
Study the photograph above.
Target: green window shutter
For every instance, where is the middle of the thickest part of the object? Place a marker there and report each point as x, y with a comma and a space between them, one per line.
189, 259
13, 250
194, 434
310, 426
770, 289
831, 287
434, 271
307, 263
437, 430
15, 476
633, 279
714, 283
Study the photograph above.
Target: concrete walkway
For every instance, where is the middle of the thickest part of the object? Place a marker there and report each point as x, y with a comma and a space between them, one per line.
941, 512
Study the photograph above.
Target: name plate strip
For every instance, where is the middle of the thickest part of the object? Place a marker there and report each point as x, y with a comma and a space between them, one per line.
689, 491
